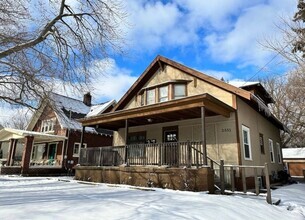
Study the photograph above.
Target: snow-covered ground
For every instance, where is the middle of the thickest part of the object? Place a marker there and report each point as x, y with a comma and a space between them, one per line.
49, 198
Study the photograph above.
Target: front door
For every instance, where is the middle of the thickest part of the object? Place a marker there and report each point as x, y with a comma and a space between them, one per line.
171, 151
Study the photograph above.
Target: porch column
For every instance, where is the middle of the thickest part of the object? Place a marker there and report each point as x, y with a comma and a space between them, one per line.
11, 152
82, 137
126, 140
204, 147
26, 155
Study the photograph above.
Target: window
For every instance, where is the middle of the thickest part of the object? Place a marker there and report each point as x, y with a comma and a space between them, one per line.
279, 155
163, 94
143, 99
261, 143
76, 149
271, 150
136, 141
150, 97
246, 142
47, 125
179, 91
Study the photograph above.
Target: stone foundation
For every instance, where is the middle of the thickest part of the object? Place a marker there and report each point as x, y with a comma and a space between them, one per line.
201, 179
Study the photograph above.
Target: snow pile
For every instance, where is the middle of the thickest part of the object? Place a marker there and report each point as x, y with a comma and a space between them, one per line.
48, 198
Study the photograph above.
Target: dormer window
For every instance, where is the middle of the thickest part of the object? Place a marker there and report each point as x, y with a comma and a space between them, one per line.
179, 91
163, 94
47, 125
150, 96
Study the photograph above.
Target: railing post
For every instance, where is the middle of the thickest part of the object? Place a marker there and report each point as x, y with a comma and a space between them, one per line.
100, 159
160, 154
197, 158
189, 149
126, 155
268, 198
256, 181
212, 164
232, 179
222, 176
243, 176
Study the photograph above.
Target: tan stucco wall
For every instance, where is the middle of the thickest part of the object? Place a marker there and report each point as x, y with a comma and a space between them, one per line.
170, 73
220, 134
258, 124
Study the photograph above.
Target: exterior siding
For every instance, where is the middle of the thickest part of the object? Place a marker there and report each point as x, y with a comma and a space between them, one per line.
257, 124
220, 134
200, 87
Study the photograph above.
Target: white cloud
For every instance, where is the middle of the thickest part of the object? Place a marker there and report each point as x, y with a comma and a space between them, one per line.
114, 81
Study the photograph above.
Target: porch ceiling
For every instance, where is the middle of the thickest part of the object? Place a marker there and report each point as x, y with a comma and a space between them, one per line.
8, 133
180, 109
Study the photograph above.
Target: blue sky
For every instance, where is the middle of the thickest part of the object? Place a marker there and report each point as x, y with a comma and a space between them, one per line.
221, 38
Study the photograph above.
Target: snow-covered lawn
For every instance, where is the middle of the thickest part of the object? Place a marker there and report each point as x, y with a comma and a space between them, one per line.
49, 198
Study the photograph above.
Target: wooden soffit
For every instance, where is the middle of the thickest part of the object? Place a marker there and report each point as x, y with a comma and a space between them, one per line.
173, 110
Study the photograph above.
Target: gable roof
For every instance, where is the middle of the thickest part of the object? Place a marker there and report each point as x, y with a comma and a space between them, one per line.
68, 110
159, 62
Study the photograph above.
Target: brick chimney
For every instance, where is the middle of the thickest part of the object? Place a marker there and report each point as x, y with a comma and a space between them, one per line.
87, 99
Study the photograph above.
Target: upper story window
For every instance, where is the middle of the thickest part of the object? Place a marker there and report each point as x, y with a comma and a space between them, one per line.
163, 94
279, 155
150, 96
246, 142
179, 91
47, 125
271, 150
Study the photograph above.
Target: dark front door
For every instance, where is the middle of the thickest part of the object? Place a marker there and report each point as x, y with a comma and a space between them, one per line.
171, 151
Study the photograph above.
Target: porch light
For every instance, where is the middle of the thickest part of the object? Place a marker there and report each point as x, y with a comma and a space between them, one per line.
149, 120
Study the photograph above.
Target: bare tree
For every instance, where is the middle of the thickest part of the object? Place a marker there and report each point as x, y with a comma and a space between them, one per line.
48, 42
19, 120
289, 107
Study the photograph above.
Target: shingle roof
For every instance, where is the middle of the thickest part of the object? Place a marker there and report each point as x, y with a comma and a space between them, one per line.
293, 153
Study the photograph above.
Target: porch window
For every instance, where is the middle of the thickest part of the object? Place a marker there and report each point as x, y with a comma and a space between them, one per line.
163, 94
44, 154
179, 91
136, 141
271, 150
279, 155
47, 125
150, 96
261, 143
76, 149
246, 142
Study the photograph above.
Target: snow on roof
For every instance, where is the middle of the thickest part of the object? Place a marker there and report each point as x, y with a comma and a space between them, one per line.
66, 107
98, 109
240, 84
293, 153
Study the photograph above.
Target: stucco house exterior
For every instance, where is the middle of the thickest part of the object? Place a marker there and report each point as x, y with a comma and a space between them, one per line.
176, 116
51, 142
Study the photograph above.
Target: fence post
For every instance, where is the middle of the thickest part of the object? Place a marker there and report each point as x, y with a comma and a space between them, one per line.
243, 176
256, 181
222, 177
212, 164
189, 149
268, 198
232, 179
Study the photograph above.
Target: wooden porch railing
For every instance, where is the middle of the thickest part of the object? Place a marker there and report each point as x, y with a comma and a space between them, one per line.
174, 154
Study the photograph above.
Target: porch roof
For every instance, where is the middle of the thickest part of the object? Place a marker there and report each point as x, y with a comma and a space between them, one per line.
174, 110
9, 133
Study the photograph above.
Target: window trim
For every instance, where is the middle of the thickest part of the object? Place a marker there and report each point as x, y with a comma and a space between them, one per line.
179, 84
159, 93
271, 151
46, 124
279, 154
74, 147
245, 128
